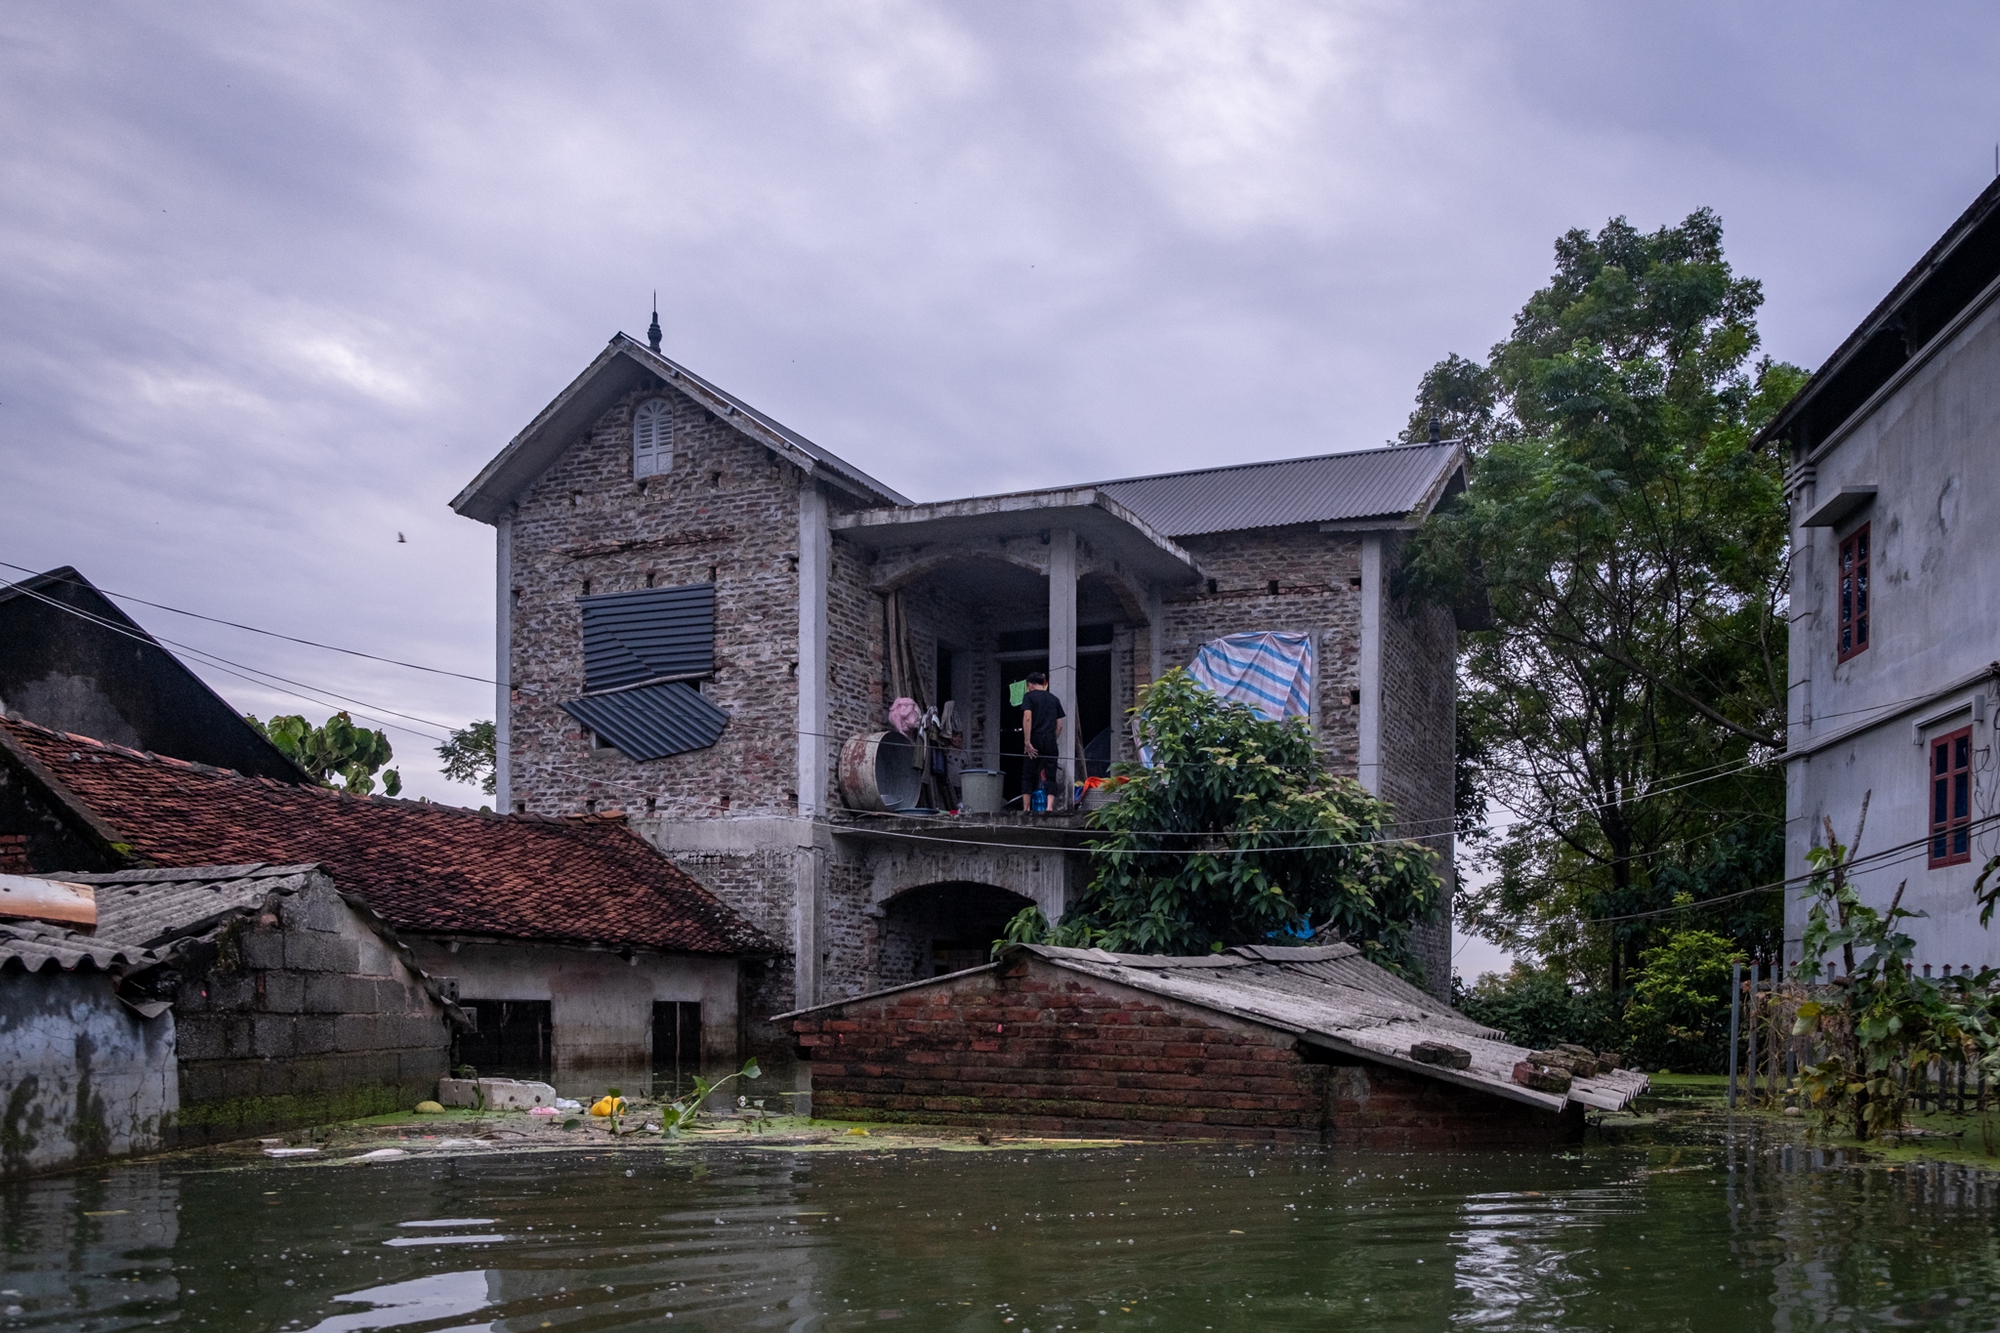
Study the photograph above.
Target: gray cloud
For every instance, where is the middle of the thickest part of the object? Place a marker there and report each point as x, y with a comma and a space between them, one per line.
274, 282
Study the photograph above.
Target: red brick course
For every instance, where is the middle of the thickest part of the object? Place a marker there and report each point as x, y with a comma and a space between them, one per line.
1043, 1050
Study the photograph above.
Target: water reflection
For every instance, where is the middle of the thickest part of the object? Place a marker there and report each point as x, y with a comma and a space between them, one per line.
420, 1300
1727, 1229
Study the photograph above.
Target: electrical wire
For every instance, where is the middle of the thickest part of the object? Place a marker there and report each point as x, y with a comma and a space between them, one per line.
1904, 851
225, 665
253, 629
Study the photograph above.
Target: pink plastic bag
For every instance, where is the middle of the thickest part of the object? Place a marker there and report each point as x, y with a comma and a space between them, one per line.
903, 716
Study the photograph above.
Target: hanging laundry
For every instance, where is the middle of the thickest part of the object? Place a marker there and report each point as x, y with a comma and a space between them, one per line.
1269, 672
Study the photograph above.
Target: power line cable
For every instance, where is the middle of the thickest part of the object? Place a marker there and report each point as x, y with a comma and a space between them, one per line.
253, 629
224, 664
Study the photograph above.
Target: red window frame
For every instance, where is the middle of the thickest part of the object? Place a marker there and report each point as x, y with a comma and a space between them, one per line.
1852, 592
1951, 798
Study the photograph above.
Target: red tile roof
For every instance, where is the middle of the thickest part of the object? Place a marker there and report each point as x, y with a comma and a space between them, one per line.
419, 866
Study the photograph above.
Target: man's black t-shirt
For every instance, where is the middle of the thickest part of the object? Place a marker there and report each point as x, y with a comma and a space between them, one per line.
1046, 708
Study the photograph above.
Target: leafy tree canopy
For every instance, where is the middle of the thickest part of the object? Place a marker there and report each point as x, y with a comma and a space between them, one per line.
1238, 834
469, 756
338, 749
1627, 552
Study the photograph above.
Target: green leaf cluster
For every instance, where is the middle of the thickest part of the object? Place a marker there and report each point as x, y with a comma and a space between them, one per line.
1623, 556
469, 755
339, 749
1678, 1017
1877, 1022
1239, 834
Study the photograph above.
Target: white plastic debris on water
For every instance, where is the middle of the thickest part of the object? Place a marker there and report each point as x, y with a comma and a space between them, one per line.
383, 1155
568, 1104
291, 1152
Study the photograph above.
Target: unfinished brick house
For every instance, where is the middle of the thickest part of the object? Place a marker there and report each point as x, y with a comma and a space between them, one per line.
698, 609
1313, 1045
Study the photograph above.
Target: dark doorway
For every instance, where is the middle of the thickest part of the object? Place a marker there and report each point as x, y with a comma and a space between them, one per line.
513, 1040
942, 928
676, 1046
1093, 718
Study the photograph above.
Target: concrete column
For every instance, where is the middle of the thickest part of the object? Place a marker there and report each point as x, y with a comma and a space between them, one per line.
815, 554
503, 662
1156, 629
806, 902
1369, 730
994, 723
1062, 639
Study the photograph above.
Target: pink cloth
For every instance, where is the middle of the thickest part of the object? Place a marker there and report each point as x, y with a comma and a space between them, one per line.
903, 716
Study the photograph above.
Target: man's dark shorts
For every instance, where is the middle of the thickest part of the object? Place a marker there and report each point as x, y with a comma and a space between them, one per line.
1042, 770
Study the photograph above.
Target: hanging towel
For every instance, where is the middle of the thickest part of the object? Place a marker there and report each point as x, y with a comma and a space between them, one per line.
1017, 692
1269, 672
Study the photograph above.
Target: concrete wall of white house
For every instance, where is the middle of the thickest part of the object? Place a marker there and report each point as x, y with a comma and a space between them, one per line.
801, 663
600, 1003
1913, 474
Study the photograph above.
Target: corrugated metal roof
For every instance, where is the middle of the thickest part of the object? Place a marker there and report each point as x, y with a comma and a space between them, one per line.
646, 634
652, 721
151, 909
1329, 996
1393, 483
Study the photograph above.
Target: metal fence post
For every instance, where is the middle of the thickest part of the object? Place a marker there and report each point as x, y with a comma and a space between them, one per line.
1735, 1025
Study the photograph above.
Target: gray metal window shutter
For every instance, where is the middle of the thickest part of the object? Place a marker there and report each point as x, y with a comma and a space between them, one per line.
633, 636
652, 721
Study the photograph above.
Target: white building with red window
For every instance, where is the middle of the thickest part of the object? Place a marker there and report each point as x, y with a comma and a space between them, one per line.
1895, 624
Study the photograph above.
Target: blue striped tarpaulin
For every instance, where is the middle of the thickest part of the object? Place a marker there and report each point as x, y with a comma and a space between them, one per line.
1270, 672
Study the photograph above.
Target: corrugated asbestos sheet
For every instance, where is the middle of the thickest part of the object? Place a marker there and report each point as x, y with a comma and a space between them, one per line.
1372, 483
646, 634
1330, 997
35, 946
653, 721
141, 913
153, 908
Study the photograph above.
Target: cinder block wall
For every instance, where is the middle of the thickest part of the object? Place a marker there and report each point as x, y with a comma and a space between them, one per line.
1034, 1048
301, 1015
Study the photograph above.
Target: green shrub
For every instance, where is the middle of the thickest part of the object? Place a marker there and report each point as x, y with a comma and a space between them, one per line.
1678, 1017
1536, 1007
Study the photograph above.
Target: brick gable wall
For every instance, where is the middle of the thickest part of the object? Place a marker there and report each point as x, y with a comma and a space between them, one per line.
1042, 1050
727, 509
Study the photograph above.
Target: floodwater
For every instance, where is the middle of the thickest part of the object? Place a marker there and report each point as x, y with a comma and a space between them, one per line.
1724, 1230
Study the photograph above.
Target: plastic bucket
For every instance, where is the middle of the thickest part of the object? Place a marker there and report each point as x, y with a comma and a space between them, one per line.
982, 791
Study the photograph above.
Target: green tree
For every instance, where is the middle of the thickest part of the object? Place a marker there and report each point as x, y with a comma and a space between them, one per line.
1625, 552
338, 749
1679, 1014
1238, 834
469, 756
1537, 1007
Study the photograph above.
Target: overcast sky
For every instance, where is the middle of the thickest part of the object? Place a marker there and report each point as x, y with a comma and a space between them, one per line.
276, 280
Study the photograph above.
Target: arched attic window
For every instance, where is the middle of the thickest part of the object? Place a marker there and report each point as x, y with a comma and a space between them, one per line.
652, 438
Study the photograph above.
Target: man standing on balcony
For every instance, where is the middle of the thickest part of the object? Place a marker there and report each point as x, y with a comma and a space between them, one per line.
1041, 741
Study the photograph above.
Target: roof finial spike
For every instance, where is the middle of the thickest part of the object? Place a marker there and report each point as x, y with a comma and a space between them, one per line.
653, 330
1436, 426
